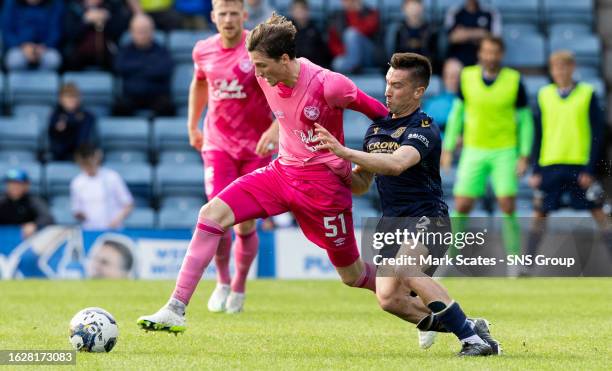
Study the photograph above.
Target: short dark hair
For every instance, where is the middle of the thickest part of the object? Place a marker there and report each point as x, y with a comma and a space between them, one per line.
495, 40
126, 253
274, 37
416, 63
85, 151
303, 3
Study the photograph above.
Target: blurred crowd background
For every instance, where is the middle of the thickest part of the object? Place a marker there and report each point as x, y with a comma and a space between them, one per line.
105, 82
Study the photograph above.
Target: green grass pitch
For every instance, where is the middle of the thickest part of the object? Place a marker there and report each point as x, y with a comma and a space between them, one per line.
554, 324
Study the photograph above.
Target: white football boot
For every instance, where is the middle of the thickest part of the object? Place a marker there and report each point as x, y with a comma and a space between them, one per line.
163, 320
427, 338
234, 303
216, 302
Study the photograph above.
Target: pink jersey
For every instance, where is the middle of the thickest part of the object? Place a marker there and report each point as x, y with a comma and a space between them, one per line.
319, 96
237, 109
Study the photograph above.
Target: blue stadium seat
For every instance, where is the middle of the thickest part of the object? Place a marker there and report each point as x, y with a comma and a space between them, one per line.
159, 36
33, 169
373, 85
390, 32
184, 180
586, 72
60, 201
35, 112
190, 156
600, 89
442, 7
34, 87
96, 87
533, 84
19, 133
58, 176
126, 157
16, 157
519, 11
525, 51
363, 208
124, 133
435, 86
587, 48
515, 31
337, 4
172, 218
181, 78
563, 11
141, 218
569, 30
138, 177
181, 43
2, 83
182, 202
355, 127
63, 215
170, 134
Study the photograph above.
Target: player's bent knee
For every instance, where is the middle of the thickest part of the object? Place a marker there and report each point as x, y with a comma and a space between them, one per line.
219, 212
245, 227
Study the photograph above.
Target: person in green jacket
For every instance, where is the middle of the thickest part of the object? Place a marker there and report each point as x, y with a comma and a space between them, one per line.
569, 128
493, 117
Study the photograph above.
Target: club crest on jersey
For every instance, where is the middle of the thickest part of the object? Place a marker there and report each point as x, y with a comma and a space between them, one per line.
376, 130
245, 65
425, 123
398, 133
312, 113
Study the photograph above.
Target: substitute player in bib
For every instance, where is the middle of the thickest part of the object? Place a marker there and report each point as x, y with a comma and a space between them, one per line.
238, 117
493, 113
313, 184
403, 152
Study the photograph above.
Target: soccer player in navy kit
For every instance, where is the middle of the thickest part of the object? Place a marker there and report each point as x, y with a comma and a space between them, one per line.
402, 151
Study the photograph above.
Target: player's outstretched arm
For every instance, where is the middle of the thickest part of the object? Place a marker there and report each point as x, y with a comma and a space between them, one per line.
379, 163
198, 99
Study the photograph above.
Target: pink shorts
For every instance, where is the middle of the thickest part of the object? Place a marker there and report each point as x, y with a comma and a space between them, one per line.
318, 198
221, 169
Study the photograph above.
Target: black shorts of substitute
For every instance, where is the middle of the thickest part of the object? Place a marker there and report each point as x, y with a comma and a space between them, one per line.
560, 188
433, 229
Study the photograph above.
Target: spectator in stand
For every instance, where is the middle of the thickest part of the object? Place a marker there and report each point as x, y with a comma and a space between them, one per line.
145, 68
415, 35
259, 11
31, 30
194, 13
467, 26
99, 197
439, 107
352, 30
70, 126
92, 29
161, 11
309, 42
19, 207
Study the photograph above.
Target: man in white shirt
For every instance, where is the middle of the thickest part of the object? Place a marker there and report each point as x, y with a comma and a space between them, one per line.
99, 197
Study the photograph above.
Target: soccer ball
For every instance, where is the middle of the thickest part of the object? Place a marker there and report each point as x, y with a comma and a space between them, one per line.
93, 330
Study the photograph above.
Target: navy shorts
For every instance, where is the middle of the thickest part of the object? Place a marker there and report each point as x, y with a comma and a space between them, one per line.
433, 225
560, 188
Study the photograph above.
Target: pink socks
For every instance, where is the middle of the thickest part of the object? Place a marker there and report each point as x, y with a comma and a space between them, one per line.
368, 278
246, 251
222, 258
200, 252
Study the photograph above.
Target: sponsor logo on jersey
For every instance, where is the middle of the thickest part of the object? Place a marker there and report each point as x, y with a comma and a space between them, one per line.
308, 139
398, 133
340, 241
425, 123
383, 147
228, 90
311, 112
420, 137
245, 65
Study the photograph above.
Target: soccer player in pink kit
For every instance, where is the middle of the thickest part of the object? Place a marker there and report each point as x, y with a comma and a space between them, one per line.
313, 184
238, 117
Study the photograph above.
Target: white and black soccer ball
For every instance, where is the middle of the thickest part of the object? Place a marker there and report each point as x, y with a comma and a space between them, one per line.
93, 330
